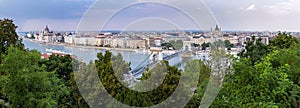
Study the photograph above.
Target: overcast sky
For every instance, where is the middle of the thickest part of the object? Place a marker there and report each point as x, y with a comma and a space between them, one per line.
60, 15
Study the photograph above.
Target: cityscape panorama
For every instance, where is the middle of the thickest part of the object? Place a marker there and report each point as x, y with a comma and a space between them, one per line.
149, 53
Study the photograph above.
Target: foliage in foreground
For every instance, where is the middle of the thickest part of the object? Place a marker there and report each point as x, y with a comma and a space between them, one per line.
264, 76
26, 84
260, 85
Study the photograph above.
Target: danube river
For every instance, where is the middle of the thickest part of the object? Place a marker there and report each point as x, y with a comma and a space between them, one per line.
90, 54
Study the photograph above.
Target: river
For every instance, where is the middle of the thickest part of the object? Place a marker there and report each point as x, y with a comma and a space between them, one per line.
87, 54
90, 54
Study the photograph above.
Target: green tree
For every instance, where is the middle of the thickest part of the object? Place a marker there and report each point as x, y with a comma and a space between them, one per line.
291, 57
205, 45
177, 45
197, 66
105, 70
167, 45
169, 84
259, 85
283, 40
84, 80
228, 45
26, 84
61, 65
120, 66
8, 36
195, 45
254, 50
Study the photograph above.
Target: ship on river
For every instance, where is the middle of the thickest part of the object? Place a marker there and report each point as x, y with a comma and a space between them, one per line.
56, 52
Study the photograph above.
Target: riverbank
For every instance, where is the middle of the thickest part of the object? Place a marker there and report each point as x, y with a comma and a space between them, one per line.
81, 46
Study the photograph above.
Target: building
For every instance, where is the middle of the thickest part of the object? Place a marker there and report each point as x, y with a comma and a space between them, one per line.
119, 42
158, 42
85, 41
69, 39
136, 43
217, 32
200, 39
48, 36
265, 39
233, 39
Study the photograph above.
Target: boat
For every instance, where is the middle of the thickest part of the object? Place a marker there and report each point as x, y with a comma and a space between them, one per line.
57, 51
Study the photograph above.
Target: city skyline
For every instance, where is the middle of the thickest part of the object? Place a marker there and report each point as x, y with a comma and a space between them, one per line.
272, 15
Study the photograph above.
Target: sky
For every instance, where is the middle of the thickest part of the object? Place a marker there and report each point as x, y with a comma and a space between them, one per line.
70, 15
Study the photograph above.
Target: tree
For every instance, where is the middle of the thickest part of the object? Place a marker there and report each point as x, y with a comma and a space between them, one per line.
228, 45
197, 66
83, 80
177, 45
205, 45
254, 50
167, 45
258, 85
120, 67
114, 87
283, 40
8, 36
61, 65
289, 53
26, 84
291, 57
264, 76
195, 45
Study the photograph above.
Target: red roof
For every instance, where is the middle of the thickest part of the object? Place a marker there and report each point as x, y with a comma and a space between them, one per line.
47, 56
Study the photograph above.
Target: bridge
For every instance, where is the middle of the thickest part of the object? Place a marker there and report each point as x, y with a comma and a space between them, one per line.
150, 62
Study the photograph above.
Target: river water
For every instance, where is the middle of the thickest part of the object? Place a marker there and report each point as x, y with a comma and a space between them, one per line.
89, 54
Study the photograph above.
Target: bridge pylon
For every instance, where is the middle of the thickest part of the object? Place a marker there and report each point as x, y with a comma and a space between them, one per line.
187, 45
156, 54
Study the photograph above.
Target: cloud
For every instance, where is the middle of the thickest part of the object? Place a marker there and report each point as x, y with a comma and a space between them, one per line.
251, 7
54, 24
27, 11
273, 15
269, 14
42, 9
286, 7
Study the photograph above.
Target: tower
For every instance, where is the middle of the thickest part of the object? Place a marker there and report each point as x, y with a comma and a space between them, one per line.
156, 53
216, 33
46, 30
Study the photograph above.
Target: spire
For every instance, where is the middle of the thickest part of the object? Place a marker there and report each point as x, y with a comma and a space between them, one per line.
46, 29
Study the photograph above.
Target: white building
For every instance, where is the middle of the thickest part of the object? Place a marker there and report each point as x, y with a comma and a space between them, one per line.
86, 41
47, 36
69, 39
